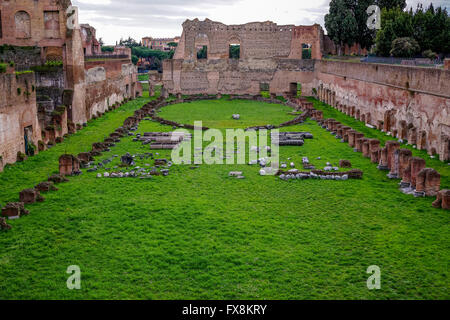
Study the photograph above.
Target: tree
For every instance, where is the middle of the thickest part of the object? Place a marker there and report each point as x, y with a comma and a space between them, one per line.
430, 28
405, 47
130, 43
384, 40
395, 23
390, 4
341, 23
107, 49
172, 44
101, 42
364, 36
203, 53
134, 59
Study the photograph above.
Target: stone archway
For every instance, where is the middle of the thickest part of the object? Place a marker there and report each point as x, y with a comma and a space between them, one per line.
201, 46
235, 49
23, 25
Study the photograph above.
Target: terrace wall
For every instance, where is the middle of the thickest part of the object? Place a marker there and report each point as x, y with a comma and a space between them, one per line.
18, 111
109, 81
411, 103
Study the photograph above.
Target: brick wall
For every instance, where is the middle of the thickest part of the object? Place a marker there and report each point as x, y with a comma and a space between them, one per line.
18, 111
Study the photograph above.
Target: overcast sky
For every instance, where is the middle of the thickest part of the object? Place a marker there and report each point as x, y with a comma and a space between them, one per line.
114, 19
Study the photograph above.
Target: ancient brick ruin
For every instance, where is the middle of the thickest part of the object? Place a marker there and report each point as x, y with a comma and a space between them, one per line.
410, 103
71, 82
269, 56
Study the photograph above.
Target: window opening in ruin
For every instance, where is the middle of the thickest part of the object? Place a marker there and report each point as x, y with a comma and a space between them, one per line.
235, 51
202, 52
264, 87
306, 51
23, 25
28, 137
295, 89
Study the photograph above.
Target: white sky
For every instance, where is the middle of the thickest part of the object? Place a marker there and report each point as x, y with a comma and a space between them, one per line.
114, 19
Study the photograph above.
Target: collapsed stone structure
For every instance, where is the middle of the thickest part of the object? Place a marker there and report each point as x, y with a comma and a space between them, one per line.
269, 56
57, 79
410, 103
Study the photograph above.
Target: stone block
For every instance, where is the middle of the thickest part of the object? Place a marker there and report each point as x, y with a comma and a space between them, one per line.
69, 165
29, 196
428, 183
443, 199
391, 146
14, 210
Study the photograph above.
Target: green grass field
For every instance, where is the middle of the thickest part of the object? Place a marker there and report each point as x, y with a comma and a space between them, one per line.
199, 234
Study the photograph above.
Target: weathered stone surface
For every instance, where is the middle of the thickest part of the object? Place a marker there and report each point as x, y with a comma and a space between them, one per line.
85, 157
366, 148
391, 146
355, 174
374, 150
359, 144
69, 165
401, 160
127, 160
428, 182
345, 164
58, 178
443, 200
345, 131
383, 159
417, 164
46, 187
352, 138
14, 209
29, 196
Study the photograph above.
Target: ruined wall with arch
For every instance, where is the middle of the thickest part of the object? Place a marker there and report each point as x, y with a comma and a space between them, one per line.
269, 54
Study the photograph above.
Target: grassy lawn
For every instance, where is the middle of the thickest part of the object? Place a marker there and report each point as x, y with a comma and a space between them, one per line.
218, 113
199, 234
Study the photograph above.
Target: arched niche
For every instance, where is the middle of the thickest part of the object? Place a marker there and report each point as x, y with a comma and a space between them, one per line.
22, 25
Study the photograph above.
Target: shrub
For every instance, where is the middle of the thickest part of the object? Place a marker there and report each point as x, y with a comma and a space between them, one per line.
2, 67
405, 47
31, 149
430, 54
59, 111
18, 73
41, 145
21, 156
19, 91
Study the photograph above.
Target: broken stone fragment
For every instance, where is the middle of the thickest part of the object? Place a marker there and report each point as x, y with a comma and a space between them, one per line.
57, 178
4, 225
345, 164
29, 196
443, 200
46, 187
14, 210
69, 165
428, 183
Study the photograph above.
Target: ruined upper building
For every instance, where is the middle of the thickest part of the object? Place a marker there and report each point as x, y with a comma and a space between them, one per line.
56, 78
212, 57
